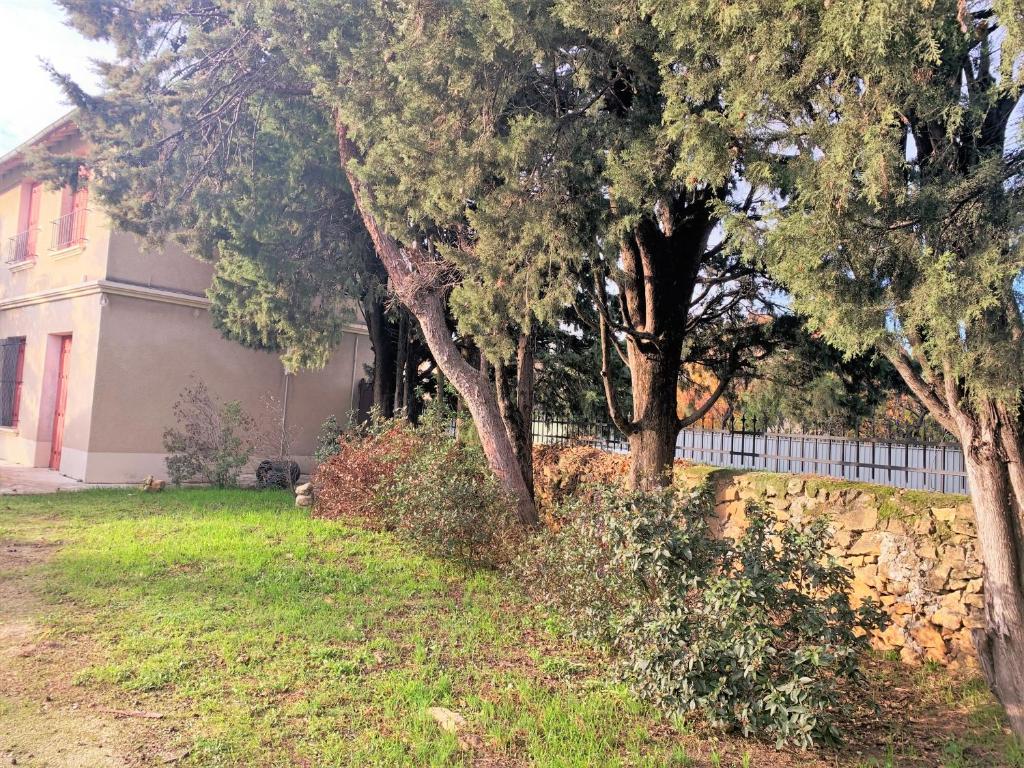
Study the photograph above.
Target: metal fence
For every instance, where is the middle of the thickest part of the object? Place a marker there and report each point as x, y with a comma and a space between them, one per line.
899, 462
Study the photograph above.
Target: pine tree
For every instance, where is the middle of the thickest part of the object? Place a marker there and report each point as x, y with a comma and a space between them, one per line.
260, 201
898, 220
671, 288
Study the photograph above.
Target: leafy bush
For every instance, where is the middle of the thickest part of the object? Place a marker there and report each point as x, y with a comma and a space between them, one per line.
212, 440
753, 633
327, 440
424, 485
446, 500
350, 483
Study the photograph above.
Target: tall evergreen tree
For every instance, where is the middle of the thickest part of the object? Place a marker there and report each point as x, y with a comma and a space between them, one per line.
898, 224
670, 286
251, 192
453, 122
435, 121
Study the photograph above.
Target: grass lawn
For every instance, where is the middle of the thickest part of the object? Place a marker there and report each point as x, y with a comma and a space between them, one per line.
265, 638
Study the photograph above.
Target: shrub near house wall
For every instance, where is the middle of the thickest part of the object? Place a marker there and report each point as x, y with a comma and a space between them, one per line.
211, 442
422, 484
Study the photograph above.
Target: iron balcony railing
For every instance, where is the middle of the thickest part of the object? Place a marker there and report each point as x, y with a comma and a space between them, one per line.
68, 230
21, 247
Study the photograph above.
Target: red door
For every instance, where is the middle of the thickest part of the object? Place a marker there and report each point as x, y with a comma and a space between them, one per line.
62, 402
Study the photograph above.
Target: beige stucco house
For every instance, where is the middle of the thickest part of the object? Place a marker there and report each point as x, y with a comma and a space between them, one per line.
98, 337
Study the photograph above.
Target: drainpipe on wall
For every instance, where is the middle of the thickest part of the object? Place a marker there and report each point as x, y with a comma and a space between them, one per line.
284, 412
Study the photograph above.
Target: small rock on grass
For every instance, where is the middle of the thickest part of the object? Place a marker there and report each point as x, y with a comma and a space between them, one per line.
447, 720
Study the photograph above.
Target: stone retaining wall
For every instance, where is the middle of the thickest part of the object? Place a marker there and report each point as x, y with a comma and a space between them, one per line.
913, 552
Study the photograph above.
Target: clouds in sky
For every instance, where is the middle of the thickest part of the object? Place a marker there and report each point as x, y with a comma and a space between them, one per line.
31, 30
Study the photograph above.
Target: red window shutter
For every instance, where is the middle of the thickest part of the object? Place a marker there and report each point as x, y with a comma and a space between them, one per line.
78, 206
67, 198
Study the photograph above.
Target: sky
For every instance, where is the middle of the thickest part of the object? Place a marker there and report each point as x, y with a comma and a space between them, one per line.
31, 30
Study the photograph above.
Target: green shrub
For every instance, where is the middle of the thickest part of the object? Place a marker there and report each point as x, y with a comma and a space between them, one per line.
327, 439
212, 440
446, 500
424, 485
754, 633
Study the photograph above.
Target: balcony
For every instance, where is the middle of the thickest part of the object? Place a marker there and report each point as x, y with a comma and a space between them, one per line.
68, 231
21, 249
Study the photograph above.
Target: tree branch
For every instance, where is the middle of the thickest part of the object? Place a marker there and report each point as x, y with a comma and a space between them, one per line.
606, 374
921, 389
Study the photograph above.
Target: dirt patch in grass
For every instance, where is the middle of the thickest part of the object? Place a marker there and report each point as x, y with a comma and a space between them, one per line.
45, 719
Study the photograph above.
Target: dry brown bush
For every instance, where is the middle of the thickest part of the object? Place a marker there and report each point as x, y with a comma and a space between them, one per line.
347, 484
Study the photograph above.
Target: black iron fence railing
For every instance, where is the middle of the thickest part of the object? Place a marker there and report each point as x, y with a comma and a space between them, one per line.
879, 456
68, 230
20, 247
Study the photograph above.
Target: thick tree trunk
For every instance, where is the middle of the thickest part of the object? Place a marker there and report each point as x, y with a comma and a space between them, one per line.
482, 405
990, 437
1000, 644
654, 371
418, 281
384, 343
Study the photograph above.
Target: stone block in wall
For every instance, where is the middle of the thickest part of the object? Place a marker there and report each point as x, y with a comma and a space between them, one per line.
841, 539
938, 577
867, 575
860, 516
869, 543
931, 641
945, 514
894, 636
901, 608
963, 527
947, 619
726, 493
924, 526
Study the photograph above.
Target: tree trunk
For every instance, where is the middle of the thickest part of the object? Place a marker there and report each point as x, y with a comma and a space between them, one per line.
384, 343
412, 364
418, 281
1000, 644
400, 358
990, 436
654, 371
514, 389
482, 405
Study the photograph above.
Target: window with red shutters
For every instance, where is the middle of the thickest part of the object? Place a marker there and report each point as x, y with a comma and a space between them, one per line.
12, 368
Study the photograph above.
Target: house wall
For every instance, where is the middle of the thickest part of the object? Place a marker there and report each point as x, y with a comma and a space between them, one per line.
131, 261
141, 327
42, 324
150, 350
41, 299
52, 269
